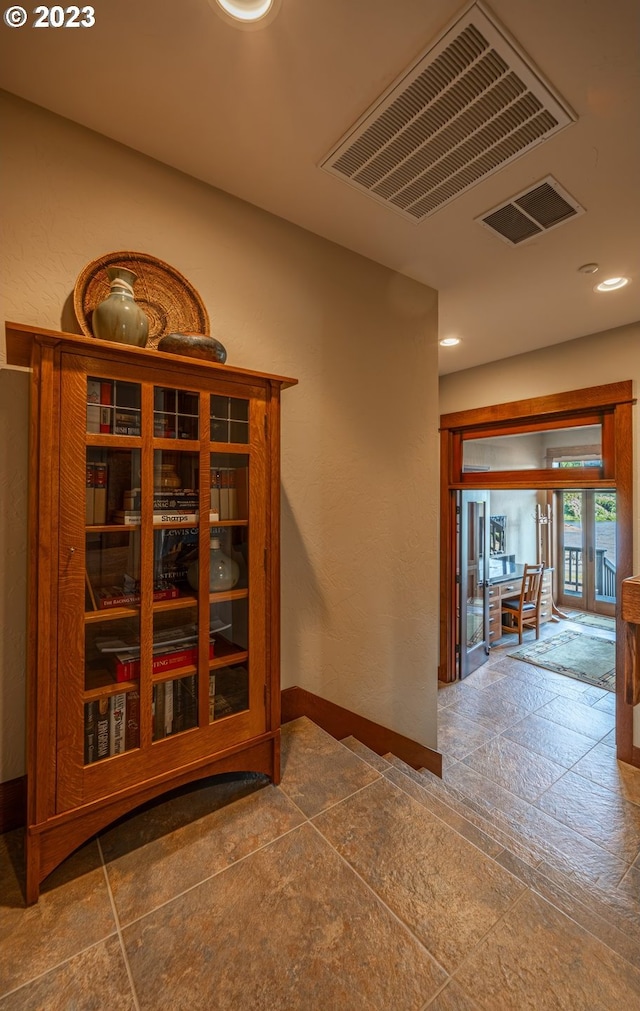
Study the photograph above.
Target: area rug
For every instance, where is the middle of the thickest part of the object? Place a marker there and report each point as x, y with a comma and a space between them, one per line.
596, 620
576, 655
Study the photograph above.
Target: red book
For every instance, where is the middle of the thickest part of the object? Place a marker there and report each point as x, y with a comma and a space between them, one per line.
128, 669
107, 598
106, 393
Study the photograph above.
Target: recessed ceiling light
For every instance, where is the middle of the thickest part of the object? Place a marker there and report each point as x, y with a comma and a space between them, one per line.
246, 11
588, 268
449, 342
612, 284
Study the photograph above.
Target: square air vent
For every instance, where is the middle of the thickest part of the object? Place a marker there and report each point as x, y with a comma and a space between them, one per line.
538, 209
470, 105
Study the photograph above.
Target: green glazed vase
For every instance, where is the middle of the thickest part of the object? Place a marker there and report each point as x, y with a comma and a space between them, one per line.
119, 317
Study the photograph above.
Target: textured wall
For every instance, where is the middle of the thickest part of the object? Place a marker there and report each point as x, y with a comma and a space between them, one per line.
359, 462
609, 357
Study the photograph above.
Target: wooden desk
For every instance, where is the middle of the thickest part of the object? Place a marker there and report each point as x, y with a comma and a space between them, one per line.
508, 588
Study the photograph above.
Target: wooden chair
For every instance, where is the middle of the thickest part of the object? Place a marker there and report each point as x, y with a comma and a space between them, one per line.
525, 609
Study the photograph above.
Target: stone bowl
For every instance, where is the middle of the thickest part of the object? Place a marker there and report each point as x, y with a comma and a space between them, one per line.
194, 345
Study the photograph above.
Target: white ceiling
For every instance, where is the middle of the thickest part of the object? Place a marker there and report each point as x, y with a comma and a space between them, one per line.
255, 112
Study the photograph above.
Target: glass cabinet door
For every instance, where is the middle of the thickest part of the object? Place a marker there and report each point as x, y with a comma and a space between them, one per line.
167, 619
112, 587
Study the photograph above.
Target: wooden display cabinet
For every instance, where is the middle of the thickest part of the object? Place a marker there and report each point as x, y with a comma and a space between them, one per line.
154, 580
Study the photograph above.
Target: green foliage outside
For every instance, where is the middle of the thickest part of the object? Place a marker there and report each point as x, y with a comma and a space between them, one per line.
605, 507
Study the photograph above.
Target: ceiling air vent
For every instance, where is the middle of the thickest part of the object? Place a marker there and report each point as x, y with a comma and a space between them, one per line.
536, 210
464, 110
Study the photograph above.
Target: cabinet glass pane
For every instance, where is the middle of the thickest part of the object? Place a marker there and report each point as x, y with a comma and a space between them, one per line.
228, 691
229, 629
229, 480
175, 413
113, 406
112, 493
175, 559
175, 706
111, 725
175, 652
229, 419
175, 487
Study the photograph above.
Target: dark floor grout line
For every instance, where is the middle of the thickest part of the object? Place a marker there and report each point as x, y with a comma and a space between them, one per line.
118, 927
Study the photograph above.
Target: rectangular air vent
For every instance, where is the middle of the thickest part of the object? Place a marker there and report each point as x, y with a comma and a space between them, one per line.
536, 210
468, 106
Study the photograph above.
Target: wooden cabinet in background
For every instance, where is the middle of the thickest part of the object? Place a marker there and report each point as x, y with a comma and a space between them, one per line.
154, 580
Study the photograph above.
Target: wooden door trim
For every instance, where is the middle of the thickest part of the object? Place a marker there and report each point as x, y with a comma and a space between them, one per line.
617, 400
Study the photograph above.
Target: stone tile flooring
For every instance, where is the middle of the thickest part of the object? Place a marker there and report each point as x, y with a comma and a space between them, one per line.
359, 883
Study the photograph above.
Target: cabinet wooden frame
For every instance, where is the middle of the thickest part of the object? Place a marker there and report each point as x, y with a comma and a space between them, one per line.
68, 800
612, 404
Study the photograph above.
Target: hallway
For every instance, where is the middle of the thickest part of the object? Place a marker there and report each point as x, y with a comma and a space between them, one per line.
539, 749
358, 884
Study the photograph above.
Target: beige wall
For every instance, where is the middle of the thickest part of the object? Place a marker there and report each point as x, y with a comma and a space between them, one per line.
359, 460
600, 358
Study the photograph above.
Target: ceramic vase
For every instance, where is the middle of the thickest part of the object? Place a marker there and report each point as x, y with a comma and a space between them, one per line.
119, 317
224, 572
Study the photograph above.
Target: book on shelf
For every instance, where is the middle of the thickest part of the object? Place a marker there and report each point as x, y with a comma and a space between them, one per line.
157, 711
174, 706
106, 400
117, 723
102, 729
96, 493
93, 405
99, 493
132, 730
126, 421
90, 729
132, 517
229, 492
163, 638
115, 596
127, 663
88, 501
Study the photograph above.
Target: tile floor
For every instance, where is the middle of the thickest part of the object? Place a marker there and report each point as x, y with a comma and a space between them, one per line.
358, 883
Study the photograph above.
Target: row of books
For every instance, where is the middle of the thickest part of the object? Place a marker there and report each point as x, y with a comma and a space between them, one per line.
174, 706
230, 493
104, 598
132, 518
126, 664
104, 415
96, 493
111, 726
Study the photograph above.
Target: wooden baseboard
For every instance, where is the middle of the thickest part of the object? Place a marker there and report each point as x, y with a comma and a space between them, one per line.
340, 723
13, 804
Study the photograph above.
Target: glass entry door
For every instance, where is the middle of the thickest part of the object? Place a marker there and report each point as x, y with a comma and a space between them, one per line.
473, 632
587, 550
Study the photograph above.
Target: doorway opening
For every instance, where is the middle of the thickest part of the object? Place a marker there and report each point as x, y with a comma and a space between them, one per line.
587, 550
570, 456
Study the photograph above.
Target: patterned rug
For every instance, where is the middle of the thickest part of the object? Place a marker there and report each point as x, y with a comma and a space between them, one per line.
576, 655
596, 620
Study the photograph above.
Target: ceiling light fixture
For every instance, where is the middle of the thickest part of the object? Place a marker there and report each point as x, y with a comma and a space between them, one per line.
588, 268
246, 12
449, 342
612, 284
